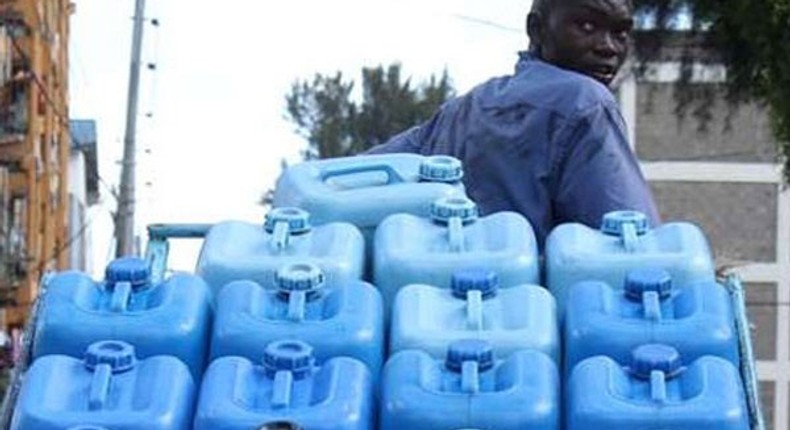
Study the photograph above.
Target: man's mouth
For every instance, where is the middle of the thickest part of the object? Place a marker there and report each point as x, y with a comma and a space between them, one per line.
602, 73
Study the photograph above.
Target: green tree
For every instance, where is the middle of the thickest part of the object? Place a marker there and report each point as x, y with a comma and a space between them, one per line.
752, 38
335, 124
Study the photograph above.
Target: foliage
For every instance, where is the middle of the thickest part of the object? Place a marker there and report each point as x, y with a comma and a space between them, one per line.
334, 124
752, 38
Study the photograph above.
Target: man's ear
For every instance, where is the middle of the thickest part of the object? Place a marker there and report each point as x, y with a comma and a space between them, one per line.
535, 28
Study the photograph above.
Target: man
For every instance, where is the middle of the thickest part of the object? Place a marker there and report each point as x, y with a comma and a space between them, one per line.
549, 141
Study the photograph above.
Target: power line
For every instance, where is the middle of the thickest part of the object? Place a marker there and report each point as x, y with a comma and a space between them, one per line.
488, 23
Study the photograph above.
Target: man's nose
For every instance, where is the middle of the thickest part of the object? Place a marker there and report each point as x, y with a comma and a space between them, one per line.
606, 45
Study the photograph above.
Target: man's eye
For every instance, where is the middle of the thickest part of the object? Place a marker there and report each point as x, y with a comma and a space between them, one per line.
587, 26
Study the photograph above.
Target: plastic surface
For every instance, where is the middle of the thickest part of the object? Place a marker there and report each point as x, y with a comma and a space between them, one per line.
365, 189
697, 319
238, 394
336, 319
424, 393
706, 394
430, 318
171, 318
420, 250
236, 250
576, 253
61, 392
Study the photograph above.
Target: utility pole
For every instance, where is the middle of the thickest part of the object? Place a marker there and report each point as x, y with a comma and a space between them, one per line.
124, 221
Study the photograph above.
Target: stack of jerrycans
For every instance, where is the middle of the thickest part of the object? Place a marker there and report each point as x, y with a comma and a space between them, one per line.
473, 339
298, 335
135, 350
650, 337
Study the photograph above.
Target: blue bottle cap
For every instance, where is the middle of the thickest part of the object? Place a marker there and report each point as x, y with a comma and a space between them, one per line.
477, 350
650, 357
133, 270
299, 277
292, 355
474, 279
280, 425
441, 168
298, 220
118, 354
87, 427
612, 223
640, 281
450, 207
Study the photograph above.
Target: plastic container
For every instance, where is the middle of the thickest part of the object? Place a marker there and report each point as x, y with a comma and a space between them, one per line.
696, 319
656, 392
238, 394
511, 319
336, 320
365, 189
421, 250
470, 389
575, 252
108, 389
169, 318
236, 250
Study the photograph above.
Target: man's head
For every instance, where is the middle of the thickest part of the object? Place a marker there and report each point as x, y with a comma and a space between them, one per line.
587, 36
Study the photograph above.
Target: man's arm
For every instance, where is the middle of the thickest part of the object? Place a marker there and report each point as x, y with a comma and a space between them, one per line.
407, 141
598, 172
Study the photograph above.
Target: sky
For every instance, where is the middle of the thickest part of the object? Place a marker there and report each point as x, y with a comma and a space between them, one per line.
211, 128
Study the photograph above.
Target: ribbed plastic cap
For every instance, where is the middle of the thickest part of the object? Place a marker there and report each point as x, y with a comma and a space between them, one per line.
640, 281
293, 355
118, 354
477, 350
441, 168
280, 425
299, 277
450, 207
486, 281
133, 270
87, 427
648, 358
613, 222
298, 220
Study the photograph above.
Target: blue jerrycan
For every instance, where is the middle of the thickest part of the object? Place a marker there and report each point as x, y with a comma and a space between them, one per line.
696, 319
656, 391
287, 390
428, 250
470, 389
235, 250
108, 389
575, 252
365, 189
169, 318
511, 319
343, 319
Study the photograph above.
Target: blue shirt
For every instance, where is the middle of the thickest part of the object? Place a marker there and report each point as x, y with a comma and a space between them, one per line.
546, 142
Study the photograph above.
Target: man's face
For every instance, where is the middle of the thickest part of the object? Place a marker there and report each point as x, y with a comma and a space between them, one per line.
588, 36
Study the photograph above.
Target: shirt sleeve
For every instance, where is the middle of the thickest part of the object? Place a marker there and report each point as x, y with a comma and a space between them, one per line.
598, 172
407, 141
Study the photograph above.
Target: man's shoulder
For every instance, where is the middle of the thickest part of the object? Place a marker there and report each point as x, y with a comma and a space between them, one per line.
544, 86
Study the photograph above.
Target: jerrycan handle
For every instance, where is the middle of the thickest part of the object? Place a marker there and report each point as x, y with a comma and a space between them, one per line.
281, 235
474, 310
651, 302
392, 176
658, 386
629, 237
282, 389
296, 305
100, 387
121, 293
455, 234
470, 377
